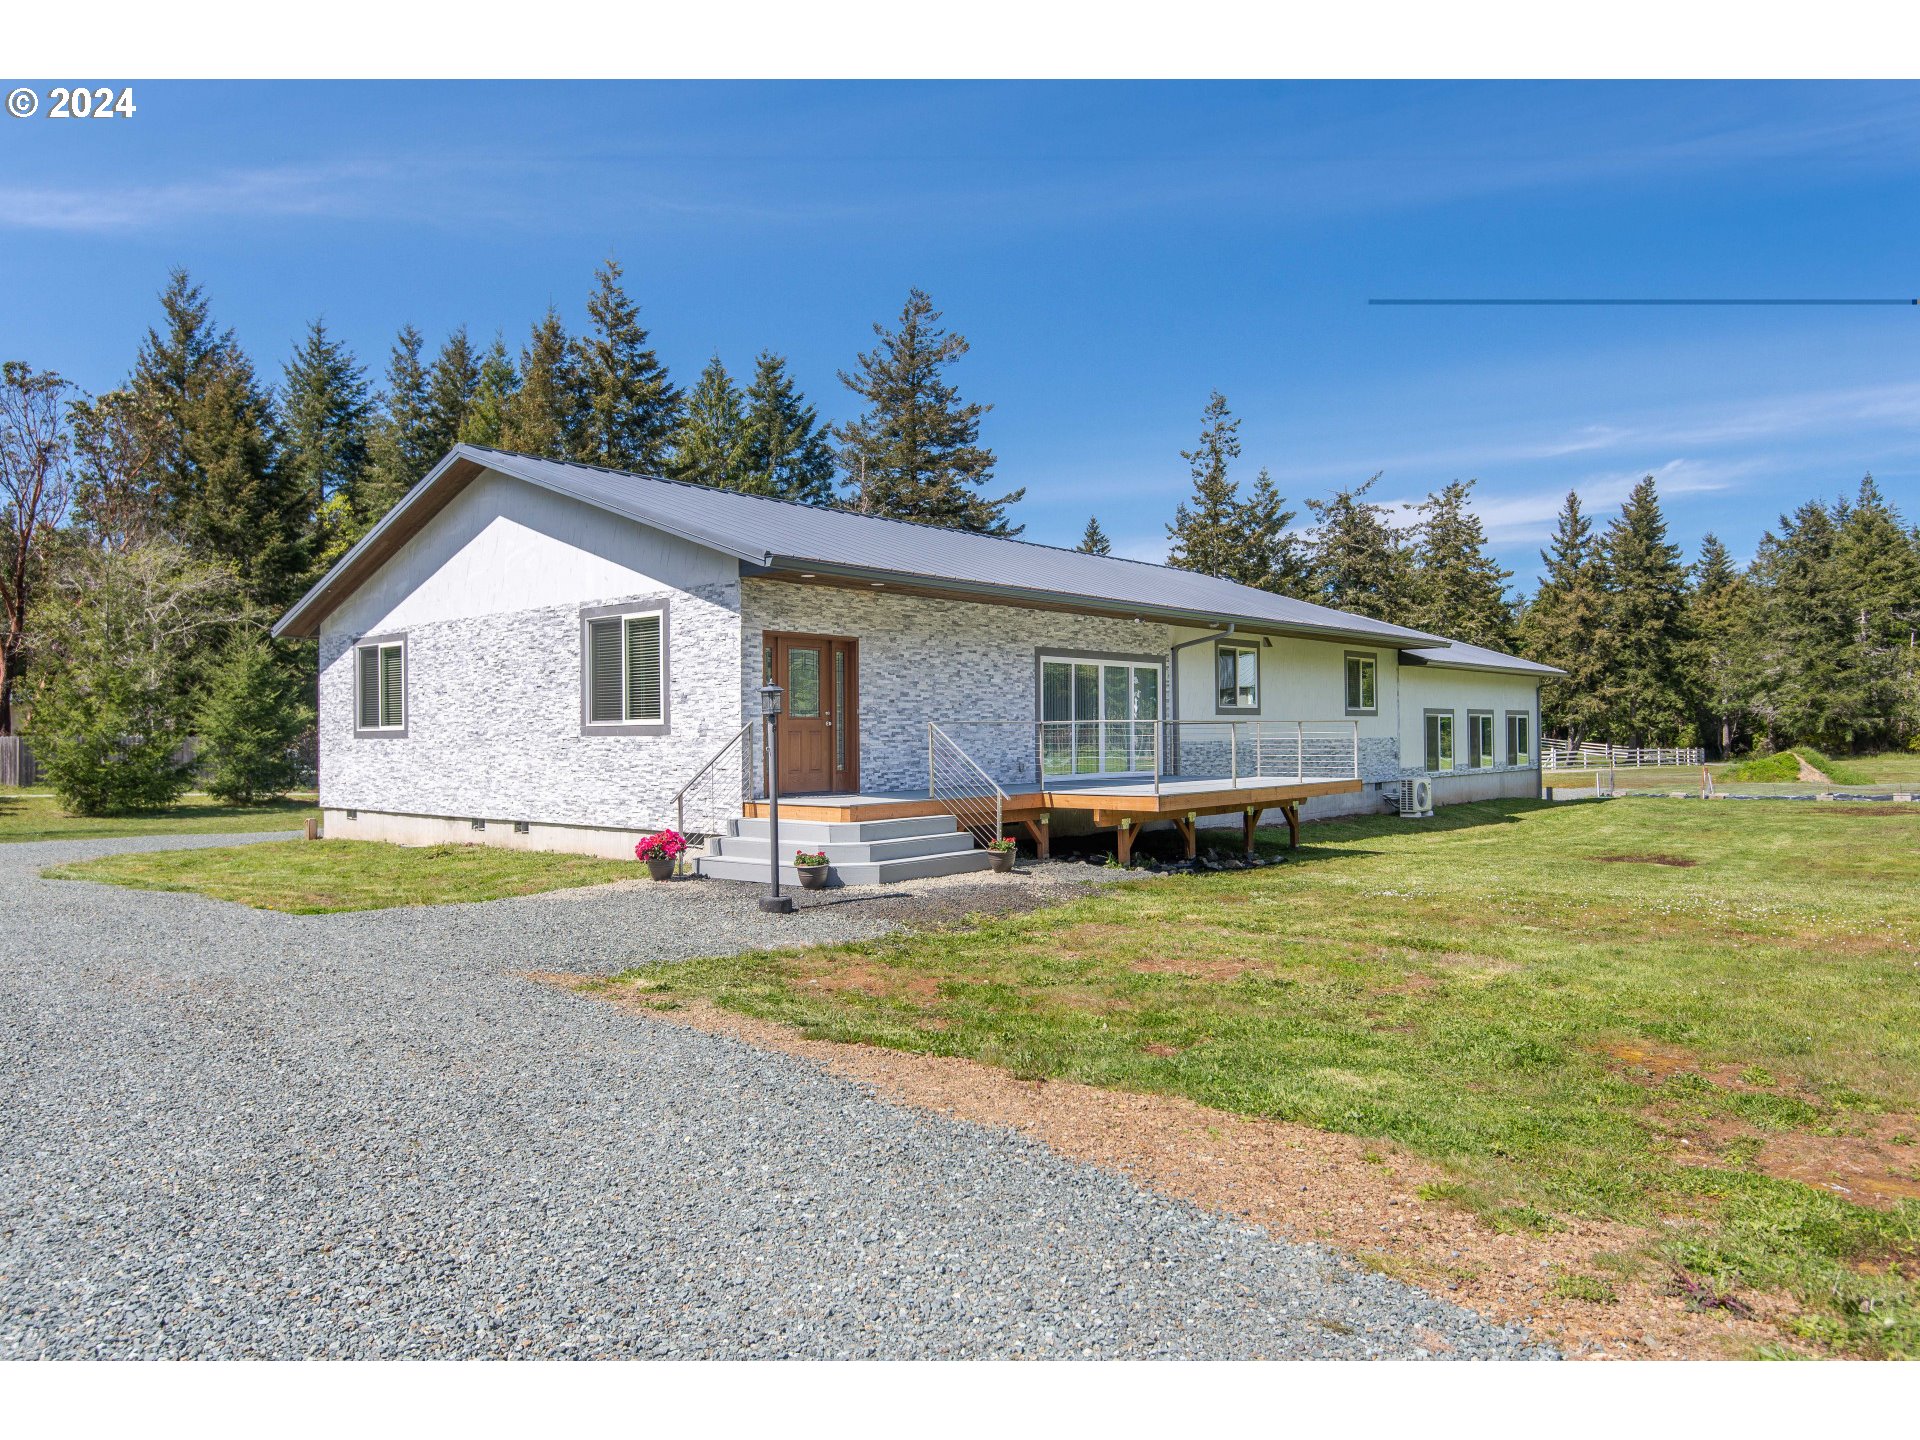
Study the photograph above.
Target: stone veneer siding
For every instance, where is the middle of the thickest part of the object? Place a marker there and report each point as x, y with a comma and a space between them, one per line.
493, 720
969, 667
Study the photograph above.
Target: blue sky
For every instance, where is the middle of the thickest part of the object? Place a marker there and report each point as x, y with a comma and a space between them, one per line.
1112, 251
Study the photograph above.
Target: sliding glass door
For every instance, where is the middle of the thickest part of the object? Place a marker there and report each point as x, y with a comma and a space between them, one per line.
1096, 716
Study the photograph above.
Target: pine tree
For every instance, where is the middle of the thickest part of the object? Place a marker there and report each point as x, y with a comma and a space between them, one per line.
1876, 562
787, 449
915, 452
1357, 559
1805, 630
1721, 619
1094, 541
486, 422
1206, 534
224, 491
403, 439
327, 417
1565, 627
1276, 559
1647, 693
1458, 590
710, 447
629, 408
544, 416
452, 385
249, 724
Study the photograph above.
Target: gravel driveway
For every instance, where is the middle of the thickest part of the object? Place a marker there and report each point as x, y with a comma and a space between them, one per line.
227, 1132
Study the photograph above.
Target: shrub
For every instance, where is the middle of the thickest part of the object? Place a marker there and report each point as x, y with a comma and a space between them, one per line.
250, 725
1768, 769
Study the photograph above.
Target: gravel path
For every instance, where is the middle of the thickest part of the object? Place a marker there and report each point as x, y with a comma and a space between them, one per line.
231, 1133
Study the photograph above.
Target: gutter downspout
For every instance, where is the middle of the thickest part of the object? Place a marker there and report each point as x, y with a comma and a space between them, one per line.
1173, 683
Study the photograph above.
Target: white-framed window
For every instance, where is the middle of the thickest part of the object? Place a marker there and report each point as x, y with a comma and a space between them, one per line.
1439, 740
1363, 683
380, 686
1237, 676
1480, 752
624, 670
1519, 737
1097, 714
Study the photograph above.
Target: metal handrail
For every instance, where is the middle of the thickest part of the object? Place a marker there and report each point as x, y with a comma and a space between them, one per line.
746, 774
970, 809
1252, 749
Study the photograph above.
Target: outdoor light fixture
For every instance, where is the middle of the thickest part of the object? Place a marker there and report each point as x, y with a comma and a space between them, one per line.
772, 698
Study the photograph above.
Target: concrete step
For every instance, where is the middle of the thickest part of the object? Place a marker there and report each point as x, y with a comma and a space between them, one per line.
754, 847
877, 872
815, 833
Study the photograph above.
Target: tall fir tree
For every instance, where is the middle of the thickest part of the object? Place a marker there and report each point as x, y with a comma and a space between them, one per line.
1205, 531
1277, 560
1647, 692
710, 446
1564, 627
914, 453
628, 407
788, 454
327, 419
1876, 562
224, 492
1357, 559
403, 439
1093, 541
1721, 620
486, 419
544, 416
452, 385
1458, 590
1804, 630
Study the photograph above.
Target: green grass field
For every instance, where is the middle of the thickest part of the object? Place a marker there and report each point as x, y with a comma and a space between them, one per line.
1683, 1014
36, 815
1893, 770
318, 877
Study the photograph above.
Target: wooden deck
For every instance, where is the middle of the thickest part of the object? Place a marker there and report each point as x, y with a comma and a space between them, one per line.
1121, 805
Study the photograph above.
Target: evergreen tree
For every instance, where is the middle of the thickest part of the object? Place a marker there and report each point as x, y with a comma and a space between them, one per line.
1094, 541
1276, 560
1206, 533
327, 416
452, 386
1876, 562
710, 447
1357, 559
1565, 627
1805, 628
223, 490
1647, 693
543, 417
629, 408
249, 724
486, 420
403, 440
915, 452
1721, 618
787, 449
1457, 588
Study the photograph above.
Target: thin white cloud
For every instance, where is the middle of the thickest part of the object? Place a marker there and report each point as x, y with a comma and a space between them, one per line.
344, 189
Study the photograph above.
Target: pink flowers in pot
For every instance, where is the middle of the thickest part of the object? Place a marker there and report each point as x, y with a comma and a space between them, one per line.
661, 845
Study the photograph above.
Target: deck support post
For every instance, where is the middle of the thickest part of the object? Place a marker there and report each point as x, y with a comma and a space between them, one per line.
1186, 829
1249, 822
1037, 832
1124, 836
1292, 812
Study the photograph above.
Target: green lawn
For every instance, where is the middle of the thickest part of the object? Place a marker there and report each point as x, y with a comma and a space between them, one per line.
1650, 1013
306, 877
1895, 767
36, 815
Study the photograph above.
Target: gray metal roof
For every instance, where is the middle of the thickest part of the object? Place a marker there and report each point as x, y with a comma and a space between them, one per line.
1461, 656
780, 535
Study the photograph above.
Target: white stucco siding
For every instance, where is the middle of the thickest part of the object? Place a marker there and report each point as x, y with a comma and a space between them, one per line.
970, 667
488, 598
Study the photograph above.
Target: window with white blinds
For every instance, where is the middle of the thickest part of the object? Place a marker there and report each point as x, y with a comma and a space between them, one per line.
380, 680
626, 669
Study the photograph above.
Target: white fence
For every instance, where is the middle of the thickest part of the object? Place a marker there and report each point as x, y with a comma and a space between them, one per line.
1559, 756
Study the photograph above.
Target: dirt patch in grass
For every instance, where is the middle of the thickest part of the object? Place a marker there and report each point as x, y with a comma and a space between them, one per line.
1196, 969
1369, 1199
1678, 862
1871, 1169
876, 984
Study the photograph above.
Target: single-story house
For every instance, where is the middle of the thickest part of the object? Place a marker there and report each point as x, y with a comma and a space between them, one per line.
530, 653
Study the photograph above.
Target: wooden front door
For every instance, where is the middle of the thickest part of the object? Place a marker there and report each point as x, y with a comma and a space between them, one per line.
820, 729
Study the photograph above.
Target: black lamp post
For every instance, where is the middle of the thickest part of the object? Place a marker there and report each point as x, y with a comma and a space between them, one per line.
771, 696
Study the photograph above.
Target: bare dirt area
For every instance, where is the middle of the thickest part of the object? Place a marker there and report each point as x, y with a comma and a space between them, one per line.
1583, 1286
